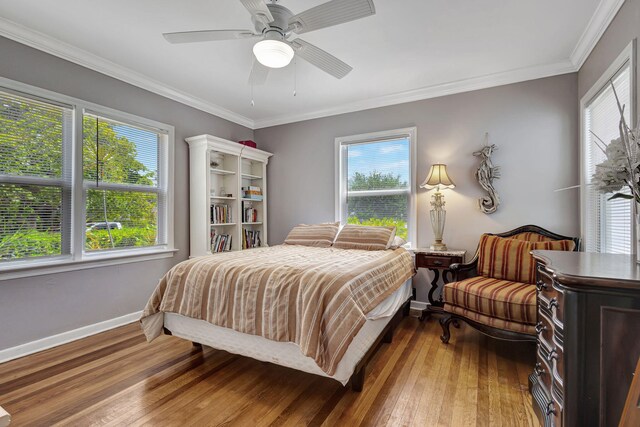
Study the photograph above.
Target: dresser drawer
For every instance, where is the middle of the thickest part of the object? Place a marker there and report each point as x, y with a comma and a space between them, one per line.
543, 372
428, 261
544, 330
550, 298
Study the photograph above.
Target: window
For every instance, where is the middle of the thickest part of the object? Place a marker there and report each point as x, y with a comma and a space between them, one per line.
123, 197
35, 178
606, 224
119, 198
375, 182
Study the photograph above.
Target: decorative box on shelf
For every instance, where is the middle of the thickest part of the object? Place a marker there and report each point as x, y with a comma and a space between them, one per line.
248, 143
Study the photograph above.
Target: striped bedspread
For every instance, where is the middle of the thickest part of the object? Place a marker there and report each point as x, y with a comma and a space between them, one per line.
315, 297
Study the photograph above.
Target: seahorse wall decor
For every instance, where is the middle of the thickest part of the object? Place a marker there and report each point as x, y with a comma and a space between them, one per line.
485, 175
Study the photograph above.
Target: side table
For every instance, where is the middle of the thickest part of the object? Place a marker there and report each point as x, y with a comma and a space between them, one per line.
436, 261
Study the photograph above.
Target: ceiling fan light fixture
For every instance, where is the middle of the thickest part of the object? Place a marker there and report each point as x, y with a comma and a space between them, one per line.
273, 53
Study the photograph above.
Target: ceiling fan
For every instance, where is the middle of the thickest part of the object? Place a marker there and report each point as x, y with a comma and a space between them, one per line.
275, 25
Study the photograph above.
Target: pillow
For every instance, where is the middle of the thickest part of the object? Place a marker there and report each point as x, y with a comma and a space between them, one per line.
530, 236
318, 235
556, 245
511, 259
365, 237
397, 242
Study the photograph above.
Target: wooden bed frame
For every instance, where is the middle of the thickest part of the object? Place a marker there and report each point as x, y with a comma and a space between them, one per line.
386, 336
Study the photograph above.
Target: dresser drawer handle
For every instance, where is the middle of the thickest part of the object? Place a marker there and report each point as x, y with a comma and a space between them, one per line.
550, 409
552, 355
540, 327
539, 370
438, 263
553, 303
541, 285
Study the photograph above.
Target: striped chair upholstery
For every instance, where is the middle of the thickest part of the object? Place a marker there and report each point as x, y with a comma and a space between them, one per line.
510, 259
503, 295
495, 298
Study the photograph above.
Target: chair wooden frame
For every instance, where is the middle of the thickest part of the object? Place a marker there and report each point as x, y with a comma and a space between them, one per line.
470, 269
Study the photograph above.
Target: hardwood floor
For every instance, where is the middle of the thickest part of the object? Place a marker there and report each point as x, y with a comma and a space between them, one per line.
116, 378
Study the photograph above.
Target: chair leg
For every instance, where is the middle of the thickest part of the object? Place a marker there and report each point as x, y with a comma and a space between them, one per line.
455, 323
446, 333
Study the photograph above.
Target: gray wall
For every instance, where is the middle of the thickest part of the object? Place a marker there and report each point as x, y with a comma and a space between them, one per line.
534, 124
624, 28
37, 307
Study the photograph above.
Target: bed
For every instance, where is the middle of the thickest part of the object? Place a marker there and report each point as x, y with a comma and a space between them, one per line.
320, 310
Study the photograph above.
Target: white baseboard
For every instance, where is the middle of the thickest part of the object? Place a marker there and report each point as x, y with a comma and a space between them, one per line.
65, 337
418, 305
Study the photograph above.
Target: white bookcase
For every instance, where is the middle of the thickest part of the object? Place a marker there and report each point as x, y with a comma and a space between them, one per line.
218, 170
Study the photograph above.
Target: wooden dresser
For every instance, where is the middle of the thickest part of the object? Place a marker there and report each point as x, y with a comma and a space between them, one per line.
588, 337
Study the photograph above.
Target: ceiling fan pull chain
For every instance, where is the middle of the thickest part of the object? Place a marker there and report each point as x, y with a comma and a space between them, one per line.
252, 101
295, 76
252, 77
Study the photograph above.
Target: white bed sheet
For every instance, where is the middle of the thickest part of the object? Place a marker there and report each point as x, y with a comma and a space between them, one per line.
287, 353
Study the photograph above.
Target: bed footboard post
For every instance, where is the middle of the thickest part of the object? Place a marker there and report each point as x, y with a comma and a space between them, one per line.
357, 380
388, 336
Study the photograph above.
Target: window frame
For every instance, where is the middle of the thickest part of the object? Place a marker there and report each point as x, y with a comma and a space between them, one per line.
409, 133
79, 258
628, 55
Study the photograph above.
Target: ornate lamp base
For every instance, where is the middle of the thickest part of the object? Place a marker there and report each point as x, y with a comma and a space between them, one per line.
438, 247
438, 217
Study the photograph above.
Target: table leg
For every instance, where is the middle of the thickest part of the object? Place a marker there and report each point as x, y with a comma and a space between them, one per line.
434, 286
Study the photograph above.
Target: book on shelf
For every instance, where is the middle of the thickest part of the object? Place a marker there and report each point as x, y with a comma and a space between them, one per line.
221, 213
251, 239
249, 214
220, 242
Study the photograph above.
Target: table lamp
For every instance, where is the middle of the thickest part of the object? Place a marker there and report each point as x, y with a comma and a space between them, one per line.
438, 179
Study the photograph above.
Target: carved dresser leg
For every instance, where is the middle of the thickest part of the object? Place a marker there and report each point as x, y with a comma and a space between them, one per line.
446, 333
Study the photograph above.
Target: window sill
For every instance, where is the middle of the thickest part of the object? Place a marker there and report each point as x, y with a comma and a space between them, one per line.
52, 266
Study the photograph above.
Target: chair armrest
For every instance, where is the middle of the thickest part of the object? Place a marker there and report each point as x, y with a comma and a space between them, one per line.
461, 271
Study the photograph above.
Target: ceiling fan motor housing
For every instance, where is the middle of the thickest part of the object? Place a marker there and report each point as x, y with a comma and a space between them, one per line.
279, 25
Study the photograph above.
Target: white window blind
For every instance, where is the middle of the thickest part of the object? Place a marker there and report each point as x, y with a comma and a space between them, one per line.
607, 223
125, 197
35, 177
377, 183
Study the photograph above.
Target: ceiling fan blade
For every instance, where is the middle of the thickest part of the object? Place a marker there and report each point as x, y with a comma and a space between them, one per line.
321, 59
258, 74
331, 13
259, 10
207, 36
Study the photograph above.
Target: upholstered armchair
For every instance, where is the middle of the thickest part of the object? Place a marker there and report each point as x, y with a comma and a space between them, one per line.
495, 292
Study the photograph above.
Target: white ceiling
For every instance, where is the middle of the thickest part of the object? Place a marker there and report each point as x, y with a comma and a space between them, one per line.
410, 49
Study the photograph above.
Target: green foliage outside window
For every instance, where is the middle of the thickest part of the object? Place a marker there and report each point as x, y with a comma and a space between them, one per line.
378, 210
31, 217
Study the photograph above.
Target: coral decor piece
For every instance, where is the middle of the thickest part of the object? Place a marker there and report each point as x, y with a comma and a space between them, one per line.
485, 175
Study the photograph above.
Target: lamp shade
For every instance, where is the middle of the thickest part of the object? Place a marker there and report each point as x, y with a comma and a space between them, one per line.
273, 53
438, 177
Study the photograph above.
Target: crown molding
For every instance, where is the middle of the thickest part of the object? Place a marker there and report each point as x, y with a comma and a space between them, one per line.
600, 20
40, 41
435, 91
602, 17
